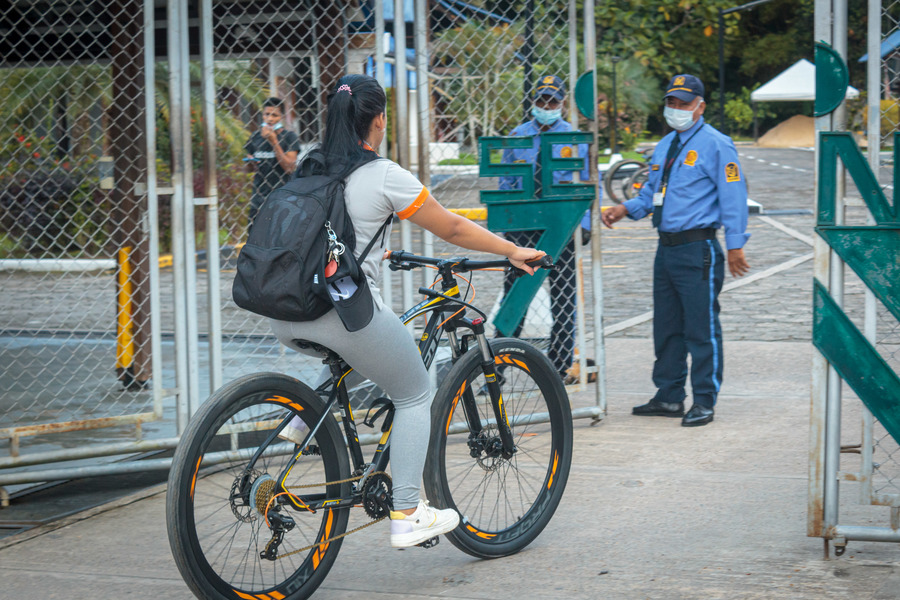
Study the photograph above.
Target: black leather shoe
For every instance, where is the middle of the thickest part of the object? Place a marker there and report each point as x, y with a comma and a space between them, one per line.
698, 415
654, 408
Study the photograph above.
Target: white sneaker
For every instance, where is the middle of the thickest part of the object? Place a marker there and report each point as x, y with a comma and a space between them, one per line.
422, 525
295, 431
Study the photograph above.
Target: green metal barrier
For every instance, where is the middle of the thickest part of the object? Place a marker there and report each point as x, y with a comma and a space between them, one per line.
557, 211
873, 252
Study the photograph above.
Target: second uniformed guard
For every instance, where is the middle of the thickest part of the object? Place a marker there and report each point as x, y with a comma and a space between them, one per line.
695, 188
546, 113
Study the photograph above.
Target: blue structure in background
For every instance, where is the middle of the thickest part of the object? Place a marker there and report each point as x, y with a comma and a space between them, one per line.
445, 12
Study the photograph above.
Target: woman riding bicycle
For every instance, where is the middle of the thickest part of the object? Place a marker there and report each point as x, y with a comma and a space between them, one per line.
384, 351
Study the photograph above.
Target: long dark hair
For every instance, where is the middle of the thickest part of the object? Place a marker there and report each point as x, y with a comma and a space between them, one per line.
352, 105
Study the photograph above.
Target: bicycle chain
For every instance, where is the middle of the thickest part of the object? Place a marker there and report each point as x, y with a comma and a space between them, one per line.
346, 533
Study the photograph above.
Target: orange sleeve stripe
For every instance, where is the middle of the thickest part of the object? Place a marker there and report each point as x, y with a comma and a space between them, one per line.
416, 204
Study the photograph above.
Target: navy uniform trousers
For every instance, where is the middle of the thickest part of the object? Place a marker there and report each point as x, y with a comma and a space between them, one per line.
562, 300
687, 280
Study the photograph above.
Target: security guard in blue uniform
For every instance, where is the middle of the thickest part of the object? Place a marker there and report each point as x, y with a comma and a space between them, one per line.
549, 98
695, 188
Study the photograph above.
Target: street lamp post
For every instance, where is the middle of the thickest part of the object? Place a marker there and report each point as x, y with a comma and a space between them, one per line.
613, 136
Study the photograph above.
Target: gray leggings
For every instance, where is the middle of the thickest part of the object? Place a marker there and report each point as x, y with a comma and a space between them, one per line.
385, 353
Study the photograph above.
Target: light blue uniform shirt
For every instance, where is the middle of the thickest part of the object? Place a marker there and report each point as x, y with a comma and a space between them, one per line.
706, 186
531, 155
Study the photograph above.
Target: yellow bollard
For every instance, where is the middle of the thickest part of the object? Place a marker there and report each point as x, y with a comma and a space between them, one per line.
124, 323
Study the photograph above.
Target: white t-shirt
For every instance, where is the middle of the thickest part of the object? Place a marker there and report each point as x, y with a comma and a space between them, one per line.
374, 191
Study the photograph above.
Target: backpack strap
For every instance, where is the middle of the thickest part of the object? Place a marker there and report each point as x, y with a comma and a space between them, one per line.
378, 233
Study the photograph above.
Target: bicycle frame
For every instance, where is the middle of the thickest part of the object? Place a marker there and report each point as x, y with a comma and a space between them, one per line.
436, 307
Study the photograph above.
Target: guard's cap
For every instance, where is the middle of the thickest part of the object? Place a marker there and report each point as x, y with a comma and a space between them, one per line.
685, 87
550, 85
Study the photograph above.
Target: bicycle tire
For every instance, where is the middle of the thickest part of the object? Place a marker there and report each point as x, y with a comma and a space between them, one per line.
617, 177
637, 180
217, 550
508, 517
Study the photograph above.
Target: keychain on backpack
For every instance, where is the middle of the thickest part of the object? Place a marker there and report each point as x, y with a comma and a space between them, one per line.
335, 249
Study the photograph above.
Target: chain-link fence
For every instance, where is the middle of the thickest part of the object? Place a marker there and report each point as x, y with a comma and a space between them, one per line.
75, 246
885, 452
110, 179
482, 65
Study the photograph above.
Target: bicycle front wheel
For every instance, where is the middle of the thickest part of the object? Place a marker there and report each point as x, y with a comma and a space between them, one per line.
504, 503
223, 486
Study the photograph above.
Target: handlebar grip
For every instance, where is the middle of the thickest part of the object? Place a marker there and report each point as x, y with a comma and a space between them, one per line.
544, 262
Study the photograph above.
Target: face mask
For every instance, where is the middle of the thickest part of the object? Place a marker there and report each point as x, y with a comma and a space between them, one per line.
546, 117
275, 127
679, 120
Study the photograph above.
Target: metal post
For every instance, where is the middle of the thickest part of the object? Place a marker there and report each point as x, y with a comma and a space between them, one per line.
826, 384
423, 108
873, 85
173, 14
379, 57
210, 191
528, 60
590, 62
614, 122
401, 114
386, 279
190, 242
152, 214
573, 62
581, 321
836, 289
721, 71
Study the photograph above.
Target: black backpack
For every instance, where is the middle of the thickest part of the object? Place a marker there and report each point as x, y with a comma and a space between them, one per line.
281, 270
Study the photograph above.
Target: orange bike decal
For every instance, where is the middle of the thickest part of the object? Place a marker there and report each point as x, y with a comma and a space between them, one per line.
506, 358
459, 394
320, 551
480, 534
553, 470
194, 480
283, 400
269, 596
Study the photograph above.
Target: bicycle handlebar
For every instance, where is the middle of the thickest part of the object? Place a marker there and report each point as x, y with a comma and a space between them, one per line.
401, 259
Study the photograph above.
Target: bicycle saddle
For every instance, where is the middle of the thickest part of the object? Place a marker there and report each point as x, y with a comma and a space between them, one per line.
328, 353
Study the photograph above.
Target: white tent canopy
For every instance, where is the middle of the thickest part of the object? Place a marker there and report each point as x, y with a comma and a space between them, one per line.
796, 83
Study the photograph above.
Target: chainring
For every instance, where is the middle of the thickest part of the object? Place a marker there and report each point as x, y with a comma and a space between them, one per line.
377, 499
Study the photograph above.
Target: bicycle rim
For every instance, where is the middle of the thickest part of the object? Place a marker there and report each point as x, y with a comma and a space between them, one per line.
504, 503
218, 497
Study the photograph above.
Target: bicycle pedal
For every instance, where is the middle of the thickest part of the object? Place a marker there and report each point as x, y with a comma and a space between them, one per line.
431, 543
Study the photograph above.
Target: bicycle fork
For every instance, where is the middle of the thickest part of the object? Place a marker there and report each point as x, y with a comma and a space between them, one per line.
504, 446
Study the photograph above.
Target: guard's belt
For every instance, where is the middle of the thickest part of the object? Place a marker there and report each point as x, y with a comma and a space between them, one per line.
678, 238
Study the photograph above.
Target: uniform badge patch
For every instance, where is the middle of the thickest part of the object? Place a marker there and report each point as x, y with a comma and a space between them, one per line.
691, 158
679, 80
732, 172
566, 152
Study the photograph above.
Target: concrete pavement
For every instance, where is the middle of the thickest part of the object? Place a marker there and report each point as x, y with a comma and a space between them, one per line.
651, 510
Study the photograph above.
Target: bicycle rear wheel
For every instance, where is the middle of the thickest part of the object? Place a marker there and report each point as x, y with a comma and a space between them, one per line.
637, 180
617, 180
218, 494
504, 503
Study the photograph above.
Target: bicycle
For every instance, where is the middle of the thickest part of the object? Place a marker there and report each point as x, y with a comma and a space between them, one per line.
250, 515
624, 180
